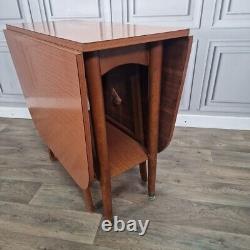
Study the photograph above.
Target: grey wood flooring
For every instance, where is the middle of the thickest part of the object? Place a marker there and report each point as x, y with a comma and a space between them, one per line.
203, 196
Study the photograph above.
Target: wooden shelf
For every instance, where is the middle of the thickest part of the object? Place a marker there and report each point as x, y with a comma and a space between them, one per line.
124, 151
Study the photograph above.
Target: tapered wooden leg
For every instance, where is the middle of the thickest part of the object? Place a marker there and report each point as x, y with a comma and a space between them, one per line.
94, 80
51, 155
155, 71
143, 171
137, 115
88, 200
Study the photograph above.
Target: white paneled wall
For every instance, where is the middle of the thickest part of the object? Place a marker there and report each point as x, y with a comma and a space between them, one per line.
226, 83
217, 85
11, 11
15, 11
231, 14
171, 12
78, 9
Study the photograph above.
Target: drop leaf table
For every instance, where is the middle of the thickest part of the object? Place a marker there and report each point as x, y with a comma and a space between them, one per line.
103, 96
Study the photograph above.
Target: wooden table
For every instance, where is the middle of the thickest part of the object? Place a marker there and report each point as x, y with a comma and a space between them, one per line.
103, 97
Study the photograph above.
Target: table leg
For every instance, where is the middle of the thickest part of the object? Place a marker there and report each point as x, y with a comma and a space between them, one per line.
94, 83
143, 171
88, 200
155, 71
138, 115
51, 155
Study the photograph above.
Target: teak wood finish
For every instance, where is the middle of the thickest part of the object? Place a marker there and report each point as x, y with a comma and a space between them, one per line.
51, 85
86, 36
132, 80
155, 69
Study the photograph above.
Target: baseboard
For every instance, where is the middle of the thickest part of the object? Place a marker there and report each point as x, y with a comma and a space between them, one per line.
15, 112
213, 121
183, 120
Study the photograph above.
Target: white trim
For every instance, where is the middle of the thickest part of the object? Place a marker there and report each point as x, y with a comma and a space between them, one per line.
213, 121
183, 120
15, 112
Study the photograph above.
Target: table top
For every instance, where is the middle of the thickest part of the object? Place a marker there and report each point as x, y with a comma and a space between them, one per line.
94, 35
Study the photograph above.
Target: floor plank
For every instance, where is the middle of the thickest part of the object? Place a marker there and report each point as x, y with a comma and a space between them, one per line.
202, 202
18, 191
61, 196
10, 240
53, 223
165, 236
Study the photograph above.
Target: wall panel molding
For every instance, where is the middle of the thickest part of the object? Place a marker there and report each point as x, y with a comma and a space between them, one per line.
186, 96
186, 13
183, 120
225, 87
17, 11
212, 91
10, 91
231, 14
213, 121
11, 11
74, 9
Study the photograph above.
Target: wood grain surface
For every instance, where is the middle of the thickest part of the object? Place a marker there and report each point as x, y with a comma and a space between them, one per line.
92, 36
124, 152
154, 98
51, 85
175, 62
60, 224
52, 77
176, 54
112, 58
203, 184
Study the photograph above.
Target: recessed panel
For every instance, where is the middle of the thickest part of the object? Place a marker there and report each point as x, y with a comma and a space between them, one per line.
232, 80
226, 81
8, 77
231, 14
10, 9
51, 83
239, 6
181, 13
73, 8
161, 7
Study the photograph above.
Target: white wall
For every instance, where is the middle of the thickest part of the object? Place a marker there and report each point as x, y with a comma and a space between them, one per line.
217, 86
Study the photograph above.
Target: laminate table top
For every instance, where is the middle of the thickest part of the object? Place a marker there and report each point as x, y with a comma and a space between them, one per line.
93, 35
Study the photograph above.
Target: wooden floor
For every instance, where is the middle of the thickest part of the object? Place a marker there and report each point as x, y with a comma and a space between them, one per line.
203, 196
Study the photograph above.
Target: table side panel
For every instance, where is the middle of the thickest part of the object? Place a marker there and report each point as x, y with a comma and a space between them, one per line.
175, 61
50, 82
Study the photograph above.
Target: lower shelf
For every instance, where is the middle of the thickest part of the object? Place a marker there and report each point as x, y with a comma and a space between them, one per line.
124, 152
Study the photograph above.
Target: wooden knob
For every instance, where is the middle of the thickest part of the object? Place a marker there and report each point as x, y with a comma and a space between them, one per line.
116, 99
